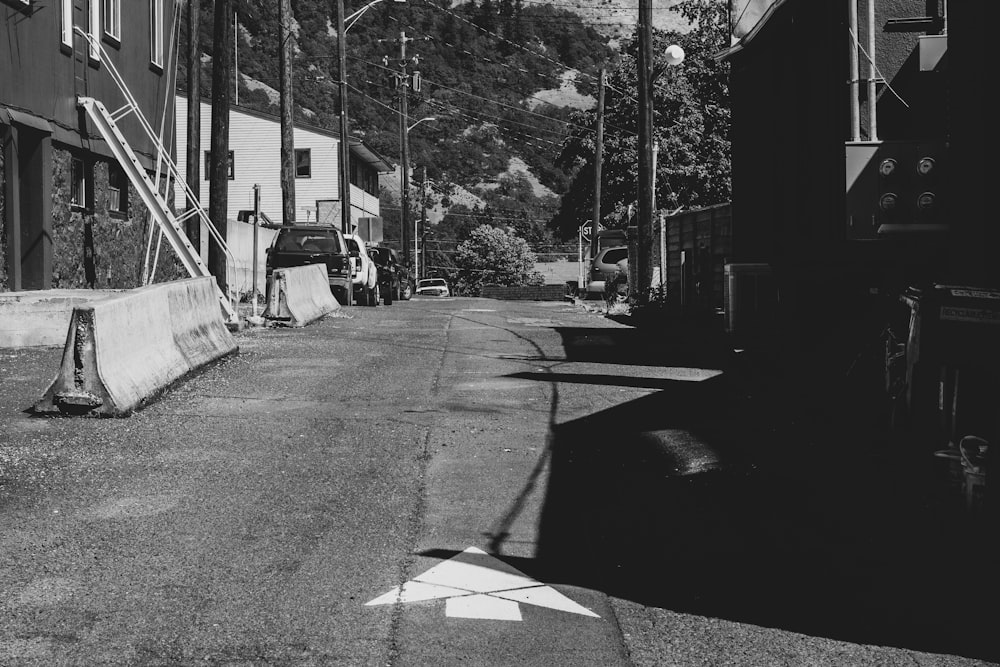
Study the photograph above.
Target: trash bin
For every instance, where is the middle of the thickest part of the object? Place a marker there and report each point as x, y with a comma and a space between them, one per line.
952, 339
954, 325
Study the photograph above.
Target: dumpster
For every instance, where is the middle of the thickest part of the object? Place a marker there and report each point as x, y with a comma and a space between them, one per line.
953, 376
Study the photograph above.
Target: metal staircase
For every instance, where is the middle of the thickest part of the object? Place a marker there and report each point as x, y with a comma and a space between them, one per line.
171, 224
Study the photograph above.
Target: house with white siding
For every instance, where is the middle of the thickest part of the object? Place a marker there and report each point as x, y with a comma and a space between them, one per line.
255, 159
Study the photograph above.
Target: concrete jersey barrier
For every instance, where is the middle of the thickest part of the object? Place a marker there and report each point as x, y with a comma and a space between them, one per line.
38, 318
298, 295
123, 351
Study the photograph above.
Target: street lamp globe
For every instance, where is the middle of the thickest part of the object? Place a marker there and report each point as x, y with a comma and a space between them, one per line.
674, 55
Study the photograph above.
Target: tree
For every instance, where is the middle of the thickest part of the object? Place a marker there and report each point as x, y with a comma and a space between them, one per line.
495, 256
691, 126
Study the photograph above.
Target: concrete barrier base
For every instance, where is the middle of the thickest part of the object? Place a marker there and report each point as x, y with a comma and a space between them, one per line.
123, 351
299, 295
39, 318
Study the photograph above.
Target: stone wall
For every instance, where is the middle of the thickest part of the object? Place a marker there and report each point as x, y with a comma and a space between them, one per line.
95, 247
526, 292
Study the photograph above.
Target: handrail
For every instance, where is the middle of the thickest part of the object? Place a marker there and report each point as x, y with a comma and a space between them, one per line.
147, 128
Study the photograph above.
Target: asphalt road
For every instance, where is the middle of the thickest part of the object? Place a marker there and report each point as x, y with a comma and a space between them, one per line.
456, 481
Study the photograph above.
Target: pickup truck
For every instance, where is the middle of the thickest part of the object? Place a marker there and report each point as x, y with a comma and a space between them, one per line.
297, 245
364, 274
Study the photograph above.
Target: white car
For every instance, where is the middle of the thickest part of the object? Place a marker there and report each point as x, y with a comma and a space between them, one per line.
364, 273
433, 287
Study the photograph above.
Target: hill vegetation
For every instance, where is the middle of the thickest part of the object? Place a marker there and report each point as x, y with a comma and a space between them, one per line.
509, 84
482, 66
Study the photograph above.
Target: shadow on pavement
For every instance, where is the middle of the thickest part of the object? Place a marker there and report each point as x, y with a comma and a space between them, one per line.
731, 499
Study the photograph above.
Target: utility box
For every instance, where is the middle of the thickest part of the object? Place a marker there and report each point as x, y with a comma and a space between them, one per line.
894, 189
751, 298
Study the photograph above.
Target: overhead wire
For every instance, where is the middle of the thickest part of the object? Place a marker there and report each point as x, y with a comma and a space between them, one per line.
524, 138
492, 61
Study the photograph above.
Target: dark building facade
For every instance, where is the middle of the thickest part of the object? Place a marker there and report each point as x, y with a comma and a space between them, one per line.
70, 216
808, 194
861, 178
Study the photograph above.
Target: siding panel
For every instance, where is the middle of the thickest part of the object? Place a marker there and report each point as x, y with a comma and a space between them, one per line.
256, 146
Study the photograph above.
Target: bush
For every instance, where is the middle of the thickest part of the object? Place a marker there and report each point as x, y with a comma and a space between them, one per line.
616, 288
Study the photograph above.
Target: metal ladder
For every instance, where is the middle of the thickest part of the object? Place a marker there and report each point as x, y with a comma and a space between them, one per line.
172, 225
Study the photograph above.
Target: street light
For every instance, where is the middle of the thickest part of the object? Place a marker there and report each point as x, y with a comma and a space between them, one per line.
674, 55
420, 121
353, 17
404, 187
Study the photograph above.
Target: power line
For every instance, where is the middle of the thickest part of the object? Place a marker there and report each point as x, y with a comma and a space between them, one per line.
480, 97
499, 37
526, 139
491, 61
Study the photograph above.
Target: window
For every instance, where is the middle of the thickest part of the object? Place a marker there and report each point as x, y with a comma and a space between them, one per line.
117, 190
615, 256
66, 20
113, 19
156, 33
364, 177
314, 241
94, 29
303, 163
23, 5
208, 166
78, 183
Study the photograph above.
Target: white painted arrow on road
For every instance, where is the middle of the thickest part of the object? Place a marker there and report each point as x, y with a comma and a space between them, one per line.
477, 585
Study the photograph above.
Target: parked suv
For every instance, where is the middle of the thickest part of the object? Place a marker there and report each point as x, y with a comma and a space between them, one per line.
364, 275
604, 267
433, 287
299, 245
391, 276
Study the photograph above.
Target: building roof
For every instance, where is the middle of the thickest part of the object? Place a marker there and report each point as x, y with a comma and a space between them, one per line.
359, 148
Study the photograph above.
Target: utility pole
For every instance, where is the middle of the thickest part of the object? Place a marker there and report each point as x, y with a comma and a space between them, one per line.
405, 82
193, 174
218, 188
595, 221
345, 137
256, 243
285, 56
644, 242
423, 221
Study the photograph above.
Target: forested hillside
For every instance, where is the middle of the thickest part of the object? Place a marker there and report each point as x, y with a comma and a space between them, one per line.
511, 86
483, 66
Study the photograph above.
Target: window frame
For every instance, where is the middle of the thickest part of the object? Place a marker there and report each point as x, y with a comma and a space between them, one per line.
94, 28
308, 153
156, 34
66, 24
121, 207
81, 184
111, 25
